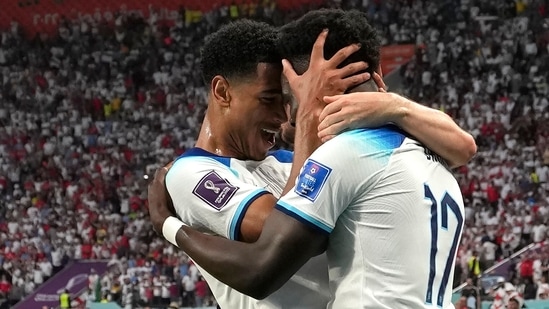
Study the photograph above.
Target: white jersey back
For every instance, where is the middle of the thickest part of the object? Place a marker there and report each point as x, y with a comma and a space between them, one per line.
211, 193
394, 214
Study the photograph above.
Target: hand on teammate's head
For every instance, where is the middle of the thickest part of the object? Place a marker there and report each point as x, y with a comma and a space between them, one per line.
324, 77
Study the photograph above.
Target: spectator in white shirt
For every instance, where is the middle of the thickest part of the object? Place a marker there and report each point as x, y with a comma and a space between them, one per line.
47, 268
38, 275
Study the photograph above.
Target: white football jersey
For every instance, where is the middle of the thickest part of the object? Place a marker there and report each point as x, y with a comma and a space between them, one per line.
394, 215
211, 194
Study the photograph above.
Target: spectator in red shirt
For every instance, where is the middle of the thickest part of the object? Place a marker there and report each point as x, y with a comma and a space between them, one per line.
201, 291
526, 268
86, 250
492, 195
5, 285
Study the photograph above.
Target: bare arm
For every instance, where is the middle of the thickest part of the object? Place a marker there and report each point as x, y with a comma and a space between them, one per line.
438, 131
256, 269
288, 238
433, 128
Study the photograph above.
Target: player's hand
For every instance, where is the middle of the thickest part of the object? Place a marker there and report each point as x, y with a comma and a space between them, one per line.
323, 77
378, 79
160, 204
358, 110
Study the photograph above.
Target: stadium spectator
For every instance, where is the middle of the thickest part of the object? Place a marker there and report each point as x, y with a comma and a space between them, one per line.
471, 294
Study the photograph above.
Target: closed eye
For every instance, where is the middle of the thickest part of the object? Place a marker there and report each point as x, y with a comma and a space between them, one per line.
271, 100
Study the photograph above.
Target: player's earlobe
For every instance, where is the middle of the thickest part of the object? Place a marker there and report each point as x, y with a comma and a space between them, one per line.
220, 90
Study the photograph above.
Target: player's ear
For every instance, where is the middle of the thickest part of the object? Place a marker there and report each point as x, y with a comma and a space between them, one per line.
220, 90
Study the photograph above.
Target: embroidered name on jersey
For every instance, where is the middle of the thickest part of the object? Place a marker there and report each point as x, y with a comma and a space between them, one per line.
214, 190
312, 179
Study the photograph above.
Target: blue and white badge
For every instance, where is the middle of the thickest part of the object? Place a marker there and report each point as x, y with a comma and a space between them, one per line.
312, 179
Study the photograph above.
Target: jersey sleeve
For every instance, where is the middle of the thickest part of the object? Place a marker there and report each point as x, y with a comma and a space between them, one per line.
321, 192
209, 196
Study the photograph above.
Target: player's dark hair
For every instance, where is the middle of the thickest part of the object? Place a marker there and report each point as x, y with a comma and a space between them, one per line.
236, 49
297, 38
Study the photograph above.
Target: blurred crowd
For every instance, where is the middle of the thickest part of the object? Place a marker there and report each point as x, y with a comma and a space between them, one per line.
142, 282
87, 113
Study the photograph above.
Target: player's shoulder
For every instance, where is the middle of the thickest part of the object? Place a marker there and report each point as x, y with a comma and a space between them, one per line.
386, 137
197, 156
281, 156
366, 141
197, 161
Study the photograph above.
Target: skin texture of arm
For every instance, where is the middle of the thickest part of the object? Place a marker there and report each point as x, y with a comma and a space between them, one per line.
260, 268
284, 246
432, 127
438, 131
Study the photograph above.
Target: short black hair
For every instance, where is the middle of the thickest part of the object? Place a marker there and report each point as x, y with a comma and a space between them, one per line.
296, 39
236, 49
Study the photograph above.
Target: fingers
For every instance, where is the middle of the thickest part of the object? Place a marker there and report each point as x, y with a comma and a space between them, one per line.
343, 54
379, 70
331, 130
169, 165
149, 186
326, 123
160, 203
352, 69
331, 119
160, 175
333, 124
318, 48
288, 70
332, 98
326, 138
355, 80
332, 107
379, 82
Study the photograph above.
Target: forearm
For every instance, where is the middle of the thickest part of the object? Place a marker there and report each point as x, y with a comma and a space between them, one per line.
217, 256
436, 130
257, 269
305, 143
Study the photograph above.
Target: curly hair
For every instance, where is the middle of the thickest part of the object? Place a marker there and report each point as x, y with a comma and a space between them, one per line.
236, 49
296, 39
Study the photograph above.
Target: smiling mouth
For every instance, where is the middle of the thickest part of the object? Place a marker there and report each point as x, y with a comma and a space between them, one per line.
269, 135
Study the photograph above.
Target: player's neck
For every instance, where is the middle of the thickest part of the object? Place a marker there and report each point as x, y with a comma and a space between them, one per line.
368, 86
211, 137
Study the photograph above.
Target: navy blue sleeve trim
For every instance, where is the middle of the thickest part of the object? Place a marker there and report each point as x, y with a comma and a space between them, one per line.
302, 220
242, 213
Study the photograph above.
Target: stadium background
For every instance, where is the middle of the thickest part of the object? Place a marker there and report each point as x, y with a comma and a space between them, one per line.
94, 94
